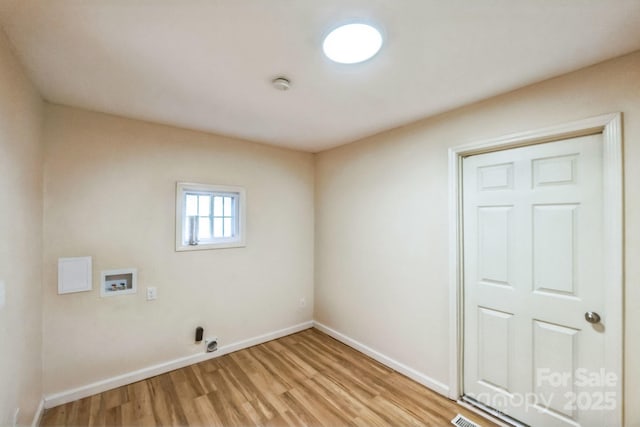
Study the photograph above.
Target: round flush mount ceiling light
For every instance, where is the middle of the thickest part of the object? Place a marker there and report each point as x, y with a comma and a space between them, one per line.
352, 43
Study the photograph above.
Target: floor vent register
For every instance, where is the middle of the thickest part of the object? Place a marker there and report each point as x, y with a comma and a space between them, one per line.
461, 421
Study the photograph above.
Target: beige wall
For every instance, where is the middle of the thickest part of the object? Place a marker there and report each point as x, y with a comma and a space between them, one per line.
20, 240
110, 193
382, 217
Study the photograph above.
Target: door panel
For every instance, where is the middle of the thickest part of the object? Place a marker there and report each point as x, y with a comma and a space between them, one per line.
495, 332
559, 170
495, 177
494, 244
533, 265
554, 348
553, 248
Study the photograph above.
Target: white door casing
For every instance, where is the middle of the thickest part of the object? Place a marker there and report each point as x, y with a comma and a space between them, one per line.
542, 251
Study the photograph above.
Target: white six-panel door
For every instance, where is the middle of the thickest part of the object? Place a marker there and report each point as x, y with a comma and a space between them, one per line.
533, 266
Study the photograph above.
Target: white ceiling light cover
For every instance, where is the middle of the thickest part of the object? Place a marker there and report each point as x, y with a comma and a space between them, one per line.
352, 43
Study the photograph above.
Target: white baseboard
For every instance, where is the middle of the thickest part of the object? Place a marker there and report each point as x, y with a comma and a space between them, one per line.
419, 377
67, 396
38, 415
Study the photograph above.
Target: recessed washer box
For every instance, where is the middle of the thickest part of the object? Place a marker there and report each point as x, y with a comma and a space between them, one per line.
119, 282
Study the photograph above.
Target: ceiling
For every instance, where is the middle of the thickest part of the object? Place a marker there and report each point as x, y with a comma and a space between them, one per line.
207, 65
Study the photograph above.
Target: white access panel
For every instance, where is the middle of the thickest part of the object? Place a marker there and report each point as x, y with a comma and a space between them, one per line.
74, 275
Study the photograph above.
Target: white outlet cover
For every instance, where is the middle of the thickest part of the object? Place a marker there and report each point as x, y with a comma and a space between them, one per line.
3, 294
152, 293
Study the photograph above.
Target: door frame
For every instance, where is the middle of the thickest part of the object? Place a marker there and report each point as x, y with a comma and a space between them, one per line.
610, 126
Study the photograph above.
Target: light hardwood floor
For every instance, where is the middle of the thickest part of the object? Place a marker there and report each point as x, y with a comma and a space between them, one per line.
303, 379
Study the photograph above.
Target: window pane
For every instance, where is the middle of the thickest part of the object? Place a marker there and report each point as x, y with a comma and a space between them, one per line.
217, 206
228, 206
191, 222
191, 202
209, 216
228, 230
204, 228
204, 205
217, 227
186, 229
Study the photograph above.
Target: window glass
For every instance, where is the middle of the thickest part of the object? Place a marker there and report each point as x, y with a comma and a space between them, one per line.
192, 204
217, 206
204, 228
209, 216
228, 206
217, 227
228, 230
204, 205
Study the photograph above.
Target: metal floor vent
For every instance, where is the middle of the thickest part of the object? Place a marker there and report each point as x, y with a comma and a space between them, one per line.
461, 421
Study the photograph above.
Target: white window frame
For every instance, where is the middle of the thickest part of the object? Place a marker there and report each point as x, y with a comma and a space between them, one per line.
239, 193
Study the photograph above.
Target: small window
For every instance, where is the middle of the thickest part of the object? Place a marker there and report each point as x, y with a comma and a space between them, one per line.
209, 216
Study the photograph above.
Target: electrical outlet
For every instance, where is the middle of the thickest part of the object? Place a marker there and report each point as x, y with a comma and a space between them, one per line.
15, 417
303, 302
152, 293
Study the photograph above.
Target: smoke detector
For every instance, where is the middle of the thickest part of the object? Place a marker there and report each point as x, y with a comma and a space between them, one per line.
281, 83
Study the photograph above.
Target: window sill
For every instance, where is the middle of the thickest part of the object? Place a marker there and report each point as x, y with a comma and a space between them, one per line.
208, 246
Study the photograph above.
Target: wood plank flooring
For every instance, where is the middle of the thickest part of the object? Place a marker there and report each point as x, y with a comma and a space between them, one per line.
305, 379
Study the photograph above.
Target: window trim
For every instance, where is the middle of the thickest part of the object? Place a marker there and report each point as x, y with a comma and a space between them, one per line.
234, 242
